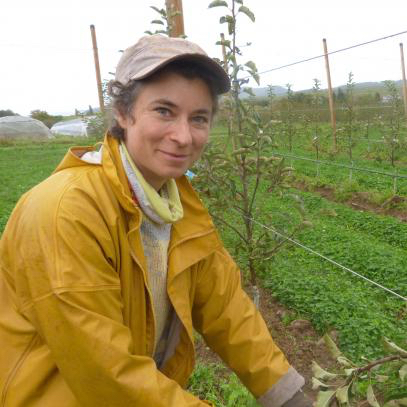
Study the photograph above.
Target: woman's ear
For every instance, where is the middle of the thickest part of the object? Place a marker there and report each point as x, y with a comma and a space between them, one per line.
122, 120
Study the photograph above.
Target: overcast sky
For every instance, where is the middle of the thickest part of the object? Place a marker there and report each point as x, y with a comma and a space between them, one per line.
47, 58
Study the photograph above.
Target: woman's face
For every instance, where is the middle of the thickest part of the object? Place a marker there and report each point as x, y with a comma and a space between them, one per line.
168, 126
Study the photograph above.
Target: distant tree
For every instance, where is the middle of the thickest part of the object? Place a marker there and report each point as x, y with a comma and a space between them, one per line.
77, 113
377, 97
7, 112
350, 125
365, 99
90, 111
340, 96
289, 129
316, 117
393, 127
44, 117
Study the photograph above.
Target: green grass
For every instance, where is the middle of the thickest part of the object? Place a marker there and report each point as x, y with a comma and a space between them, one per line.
213, 382
25, 164
371, 245
381, 186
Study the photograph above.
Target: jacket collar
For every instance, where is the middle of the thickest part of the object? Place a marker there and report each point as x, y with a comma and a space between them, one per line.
196, 220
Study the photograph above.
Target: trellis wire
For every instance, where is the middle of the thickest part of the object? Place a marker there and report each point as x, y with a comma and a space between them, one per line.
323, 257
341, 165
329, 53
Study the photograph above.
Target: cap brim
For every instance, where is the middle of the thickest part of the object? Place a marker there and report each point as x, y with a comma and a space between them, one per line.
221, 79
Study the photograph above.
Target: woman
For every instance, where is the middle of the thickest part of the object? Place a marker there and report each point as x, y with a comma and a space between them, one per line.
109, 264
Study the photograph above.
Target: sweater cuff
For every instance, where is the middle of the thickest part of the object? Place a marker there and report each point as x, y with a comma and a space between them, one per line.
283, 390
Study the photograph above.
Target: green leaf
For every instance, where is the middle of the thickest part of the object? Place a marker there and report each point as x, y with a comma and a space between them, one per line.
403, 372
331, 345
231, 27
248, 12
256, 77
241, 151
371, 398
324, 398
157, 22
226, 19
226, 43
251, 65
218, 3
320, 373
393, 348
342, 394
160, 11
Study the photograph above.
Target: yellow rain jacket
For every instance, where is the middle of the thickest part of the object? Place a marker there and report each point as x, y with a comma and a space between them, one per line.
76, 319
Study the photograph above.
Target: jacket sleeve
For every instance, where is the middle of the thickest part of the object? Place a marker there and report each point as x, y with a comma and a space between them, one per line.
232, 326
67, 266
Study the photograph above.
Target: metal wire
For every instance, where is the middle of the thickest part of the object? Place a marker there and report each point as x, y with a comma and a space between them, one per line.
324, 257
341, 165
329, 53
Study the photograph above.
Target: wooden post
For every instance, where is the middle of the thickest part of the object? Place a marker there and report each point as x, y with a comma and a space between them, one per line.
225, 61
403, 72
97, 68
330, 95
175, 17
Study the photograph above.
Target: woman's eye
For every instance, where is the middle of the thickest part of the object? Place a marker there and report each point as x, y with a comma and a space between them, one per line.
201, 119
163, 111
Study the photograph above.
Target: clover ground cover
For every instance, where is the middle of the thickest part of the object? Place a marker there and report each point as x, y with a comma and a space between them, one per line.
331, 298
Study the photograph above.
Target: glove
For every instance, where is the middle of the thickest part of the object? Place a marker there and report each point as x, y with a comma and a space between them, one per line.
299, 400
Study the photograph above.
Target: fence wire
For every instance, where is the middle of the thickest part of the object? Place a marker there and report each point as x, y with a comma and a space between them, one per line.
347, 269
341, 165
329, 53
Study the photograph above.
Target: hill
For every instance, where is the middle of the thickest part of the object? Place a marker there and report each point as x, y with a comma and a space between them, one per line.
362, 87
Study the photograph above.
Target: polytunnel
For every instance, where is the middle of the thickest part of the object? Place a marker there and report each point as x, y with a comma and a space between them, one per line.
21, 127
75, 127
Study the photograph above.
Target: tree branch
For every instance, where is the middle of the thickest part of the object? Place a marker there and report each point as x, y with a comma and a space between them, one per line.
218, 218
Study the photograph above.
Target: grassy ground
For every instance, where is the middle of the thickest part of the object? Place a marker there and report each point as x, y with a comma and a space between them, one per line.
372, 245
369, 244
25, 164
213, 382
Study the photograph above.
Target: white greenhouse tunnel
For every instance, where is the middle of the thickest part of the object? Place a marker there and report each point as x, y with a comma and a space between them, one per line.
75, 128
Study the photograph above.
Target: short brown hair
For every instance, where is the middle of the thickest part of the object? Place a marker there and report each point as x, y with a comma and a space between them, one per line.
124, 97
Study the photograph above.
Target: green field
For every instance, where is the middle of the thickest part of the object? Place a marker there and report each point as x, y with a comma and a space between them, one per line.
371, 245
24, 165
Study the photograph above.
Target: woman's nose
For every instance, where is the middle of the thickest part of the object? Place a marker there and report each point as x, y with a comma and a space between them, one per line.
182, 132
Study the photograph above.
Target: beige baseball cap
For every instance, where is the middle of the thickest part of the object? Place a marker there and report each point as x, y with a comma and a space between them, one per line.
153, 52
